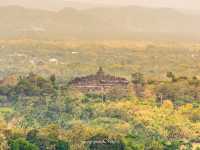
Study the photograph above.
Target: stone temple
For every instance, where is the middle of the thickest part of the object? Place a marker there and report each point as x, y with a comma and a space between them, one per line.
98, 82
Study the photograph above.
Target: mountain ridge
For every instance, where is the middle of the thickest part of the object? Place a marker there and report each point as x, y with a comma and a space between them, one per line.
99, 22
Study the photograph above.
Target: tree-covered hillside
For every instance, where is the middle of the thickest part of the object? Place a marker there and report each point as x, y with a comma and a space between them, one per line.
41, 113
158, 110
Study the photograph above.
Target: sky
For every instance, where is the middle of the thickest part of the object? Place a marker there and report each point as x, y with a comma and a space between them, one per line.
184, 4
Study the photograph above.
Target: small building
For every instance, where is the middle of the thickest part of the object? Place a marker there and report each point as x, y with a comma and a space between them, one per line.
98, 82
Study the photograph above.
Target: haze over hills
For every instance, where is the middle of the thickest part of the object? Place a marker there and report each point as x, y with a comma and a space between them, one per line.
98, 22
53, 5
60, 4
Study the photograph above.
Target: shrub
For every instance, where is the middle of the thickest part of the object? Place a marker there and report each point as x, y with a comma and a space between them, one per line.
22, 144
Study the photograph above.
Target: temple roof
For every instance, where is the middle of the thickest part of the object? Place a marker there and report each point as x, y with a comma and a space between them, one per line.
100, 72
99, 78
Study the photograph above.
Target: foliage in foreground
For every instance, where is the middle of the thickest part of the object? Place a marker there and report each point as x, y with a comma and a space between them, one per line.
41, 114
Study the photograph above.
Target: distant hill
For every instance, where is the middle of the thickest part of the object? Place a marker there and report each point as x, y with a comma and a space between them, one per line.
101, 22
50, 4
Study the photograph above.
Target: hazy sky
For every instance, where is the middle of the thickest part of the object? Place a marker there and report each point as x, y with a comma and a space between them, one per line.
186, 4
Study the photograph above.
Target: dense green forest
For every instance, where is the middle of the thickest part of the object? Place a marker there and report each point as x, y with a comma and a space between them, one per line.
39, 110
39, 113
